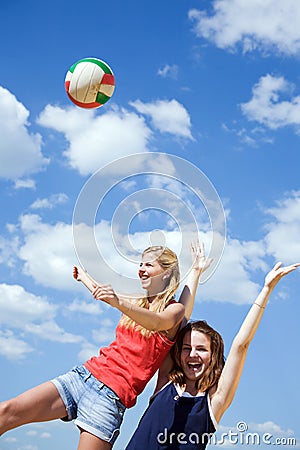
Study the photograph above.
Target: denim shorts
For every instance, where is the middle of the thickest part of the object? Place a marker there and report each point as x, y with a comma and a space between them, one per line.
94, 406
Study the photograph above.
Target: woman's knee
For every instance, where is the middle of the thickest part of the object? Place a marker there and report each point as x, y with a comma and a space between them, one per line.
7, 415
6, 408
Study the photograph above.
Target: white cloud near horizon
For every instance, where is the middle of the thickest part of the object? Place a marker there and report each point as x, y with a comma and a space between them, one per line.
19, 306
20, 149
268, 427
268, 26
24, 314
12, 347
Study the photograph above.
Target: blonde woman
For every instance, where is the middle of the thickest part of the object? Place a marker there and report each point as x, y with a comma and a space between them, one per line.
97, 393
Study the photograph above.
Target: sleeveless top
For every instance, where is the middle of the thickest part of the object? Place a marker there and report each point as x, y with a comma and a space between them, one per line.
129, 362
174, 422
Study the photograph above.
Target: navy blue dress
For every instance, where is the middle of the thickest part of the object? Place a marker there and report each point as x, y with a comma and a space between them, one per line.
172, 422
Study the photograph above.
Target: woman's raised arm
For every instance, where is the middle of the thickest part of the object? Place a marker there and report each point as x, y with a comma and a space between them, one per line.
230, 377
199, 264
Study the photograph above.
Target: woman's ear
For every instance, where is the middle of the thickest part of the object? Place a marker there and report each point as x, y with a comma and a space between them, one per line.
167, 274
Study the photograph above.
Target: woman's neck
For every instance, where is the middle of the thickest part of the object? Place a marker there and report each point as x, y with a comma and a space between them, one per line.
191, 388
152, 298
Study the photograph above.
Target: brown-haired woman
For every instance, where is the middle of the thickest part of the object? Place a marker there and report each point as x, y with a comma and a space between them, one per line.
184, 413
97, 393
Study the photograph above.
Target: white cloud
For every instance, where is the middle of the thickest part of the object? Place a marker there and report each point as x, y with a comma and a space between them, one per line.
105, 334
49, 203
87, 351
248, 136
92, 308
8, 250
168, 116
48, 252
168, 71
50, 331
10, 439
53, 245
12, 347
161, 164
96, 140
282, 238
232, 282
20, 150
31, 433
46, 435
27, 314
266, 106
19, 307
268, 25
102, 336
25, 183
270, 427
49, 243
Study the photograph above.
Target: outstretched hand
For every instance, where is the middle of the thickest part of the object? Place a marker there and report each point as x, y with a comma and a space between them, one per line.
277, 273
105, 293
200, 262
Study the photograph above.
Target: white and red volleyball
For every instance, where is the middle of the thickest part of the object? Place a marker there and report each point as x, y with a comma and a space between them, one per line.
90, 83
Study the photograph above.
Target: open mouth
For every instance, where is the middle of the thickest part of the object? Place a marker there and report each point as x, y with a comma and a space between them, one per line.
144, 277
194, 366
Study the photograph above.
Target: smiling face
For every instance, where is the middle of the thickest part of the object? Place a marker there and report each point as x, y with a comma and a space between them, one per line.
152, 275
195, 356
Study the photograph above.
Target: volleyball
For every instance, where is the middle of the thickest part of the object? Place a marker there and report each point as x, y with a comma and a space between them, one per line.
90, 83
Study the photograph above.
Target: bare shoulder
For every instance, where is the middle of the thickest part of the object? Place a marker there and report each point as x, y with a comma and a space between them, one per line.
175, 308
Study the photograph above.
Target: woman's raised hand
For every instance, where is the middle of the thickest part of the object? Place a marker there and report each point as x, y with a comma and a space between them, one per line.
200, 262
277, 273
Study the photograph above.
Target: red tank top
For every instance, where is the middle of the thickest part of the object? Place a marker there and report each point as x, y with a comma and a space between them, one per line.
129, 362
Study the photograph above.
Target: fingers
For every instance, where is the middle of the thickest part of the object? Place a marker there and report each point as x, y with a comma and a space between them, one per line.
277, 265
290, 268
103, 291
209, 261
75, 272
202, 248
278, 271
197, 248
286, 269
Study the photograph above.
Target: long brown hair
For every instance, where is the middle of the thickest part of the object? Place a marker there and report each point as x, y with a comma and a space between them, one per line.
167, 259
213, 372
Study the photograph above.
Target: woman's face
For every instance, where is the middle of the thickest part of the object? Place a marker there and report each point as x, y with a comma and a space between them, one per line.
195, 354
152, 275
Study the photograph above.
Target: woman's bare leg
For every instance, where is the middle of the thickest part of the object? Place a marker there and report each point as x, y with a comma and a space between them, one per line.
38, 404
89, 442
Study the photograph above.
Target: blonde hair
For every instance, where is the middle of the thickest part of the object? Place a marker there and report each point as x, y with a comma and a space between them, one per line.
167, 259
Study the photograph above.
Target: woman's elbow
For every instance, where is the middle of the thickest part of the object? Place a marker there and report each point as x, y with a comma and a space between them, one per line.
240, 345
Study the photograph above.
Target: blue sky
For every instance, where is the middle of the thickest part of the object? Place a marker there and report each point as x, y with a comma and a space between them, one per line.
213, 84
